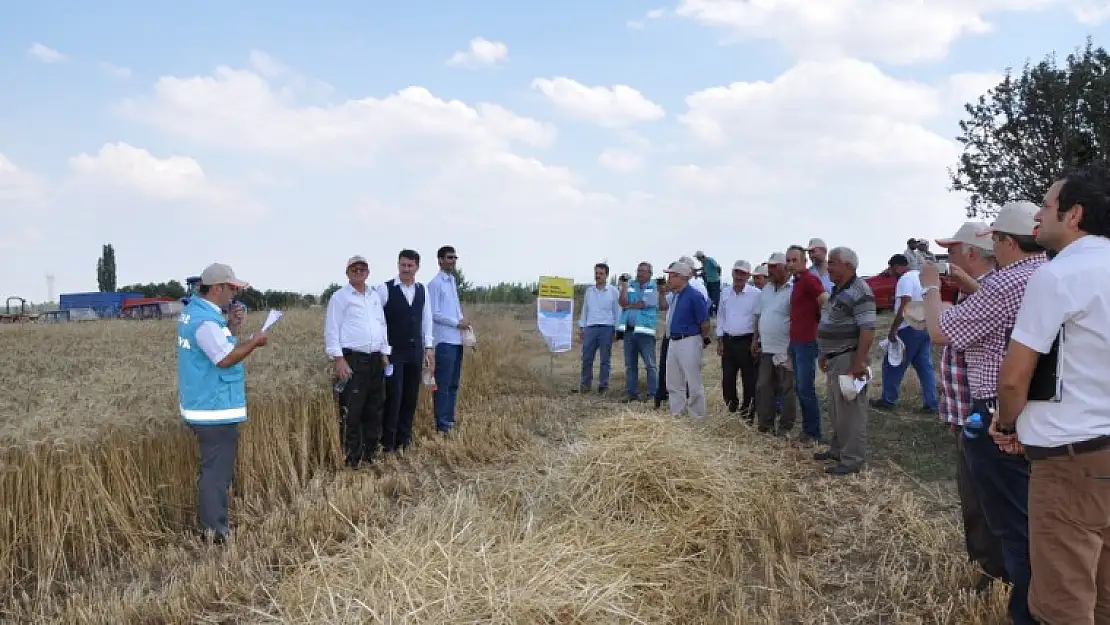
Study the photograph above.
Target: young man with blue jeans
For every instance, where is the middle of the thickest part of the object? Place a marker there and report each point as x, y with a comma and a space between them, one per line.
807, 297
919, 347
448, 325
597, 325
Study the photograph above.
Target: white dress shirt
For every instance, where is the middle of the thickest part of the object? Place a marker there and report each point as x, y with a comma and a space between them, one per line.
1069, 295
600, 307
446, 309
355, 321
737, 311
410, 293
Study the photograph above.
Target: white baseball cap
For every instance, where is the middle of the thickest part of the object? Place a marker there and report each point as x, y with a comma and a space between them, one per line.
1016, 218
760, 271
218, 273
975, 233
742, 265
778, 258
815, 243
680, 268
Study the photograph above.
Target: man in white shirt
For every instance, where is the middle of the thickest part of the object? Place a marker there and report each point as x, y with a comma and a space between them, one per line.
772, 344
597, 327
1053, 385
448, 327
918, 352
735, 332
408, 318
356, 339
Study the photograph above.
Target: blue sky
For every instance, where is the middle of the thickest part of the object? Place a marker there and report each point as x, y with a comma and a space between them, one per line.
282, 139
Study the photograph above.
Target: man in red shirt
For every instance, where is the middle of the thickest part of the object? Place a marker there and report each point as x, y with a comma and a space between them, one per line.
806, 300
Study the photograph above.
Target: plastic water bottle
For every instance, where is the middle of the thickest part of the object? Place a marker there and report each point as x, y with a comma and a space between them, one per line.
974, 426
429, 378
389, 370
339, 386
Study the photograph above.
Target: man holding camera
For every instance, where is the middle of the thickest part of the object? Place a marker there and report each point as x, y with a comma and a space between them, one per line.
641, 304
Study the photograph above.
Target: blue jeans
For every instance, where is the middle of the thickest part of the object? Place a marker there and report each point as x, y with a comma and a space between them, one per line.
1002, 482
448, 373
804, 358
919, 354
596, 338
642, 346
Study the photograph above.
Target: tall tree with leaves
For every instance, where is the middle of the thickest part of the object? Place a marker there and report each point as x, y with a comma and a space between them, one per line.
106, 269
1027, 130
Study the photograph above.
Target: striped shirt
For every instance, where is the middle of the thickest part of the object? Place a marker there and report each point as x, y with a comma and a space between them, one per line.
849, 309
980, 326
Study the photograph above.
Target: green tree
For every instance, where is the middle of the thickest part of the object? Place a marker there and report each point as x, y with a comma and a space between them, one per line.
106, 269
1028, 129
328, 292
461, 281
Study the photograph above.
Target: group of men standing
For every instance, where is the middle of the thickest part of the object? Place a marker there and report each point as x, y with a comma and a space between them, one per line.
775, 327
1024, 345
385, 339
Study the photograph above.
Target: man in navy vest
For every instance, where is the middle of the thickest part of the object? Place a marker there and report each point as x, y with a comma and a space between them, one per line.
408, 319
211, 389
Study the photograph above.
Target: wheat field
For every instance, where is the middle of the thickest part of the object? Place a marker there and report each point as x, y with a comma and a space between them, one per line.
543, 507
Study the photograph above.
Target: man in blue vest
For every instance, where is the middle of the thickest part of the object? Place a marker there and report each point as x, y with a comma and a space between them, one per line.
408, 320
211, 389
641, 305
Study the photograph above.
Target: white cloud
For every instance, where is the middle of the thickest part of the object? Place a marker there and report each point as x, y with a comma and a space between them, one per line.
241, 111
170, 179
116, 70
620, 161
45, 54
893, 31
18, 188
612, 107
481, 53
641, 23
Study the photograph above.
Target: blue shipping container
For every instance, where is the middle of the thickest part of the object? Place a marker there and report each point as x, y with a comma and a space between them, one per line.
105, 304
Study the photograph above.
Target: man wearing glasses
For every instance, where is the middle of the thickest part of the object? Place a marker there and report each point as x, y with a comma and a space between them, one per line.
448, 325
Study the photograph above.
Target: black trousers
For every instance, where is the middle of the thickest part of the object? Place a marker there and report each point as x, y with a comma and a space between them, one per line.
402, 390
360, 406
738, 358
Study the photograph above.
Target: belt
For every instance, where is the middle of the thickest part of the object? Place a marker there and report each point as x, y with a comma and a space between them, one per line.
835, 354
349, 352
1071, 449
738, 336
679, 337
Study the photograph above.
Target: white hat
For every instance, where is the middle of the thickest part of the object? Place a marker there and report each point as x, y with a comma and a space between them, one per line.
681, 269
742, 265
974, 233
355, 260
760, 271
814, 243
1016, 218
895, 350
778, 258
218, 273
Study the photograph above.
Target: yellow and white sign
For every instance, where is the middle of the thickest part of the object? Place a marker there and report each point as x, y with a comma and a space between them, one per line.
555, 312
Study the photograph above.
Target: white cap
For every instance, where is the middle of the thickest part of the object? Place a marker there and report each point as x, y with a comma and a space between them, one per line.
816, 243
356, 259
778, 258
742, 265
974, 233
218, 273
760, 270
681, 269
1016, 218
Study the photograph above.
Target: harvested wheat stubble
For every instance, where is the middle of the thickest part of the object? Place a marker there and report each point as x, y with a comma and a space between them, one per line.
624, 519
645, 520
86, 491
